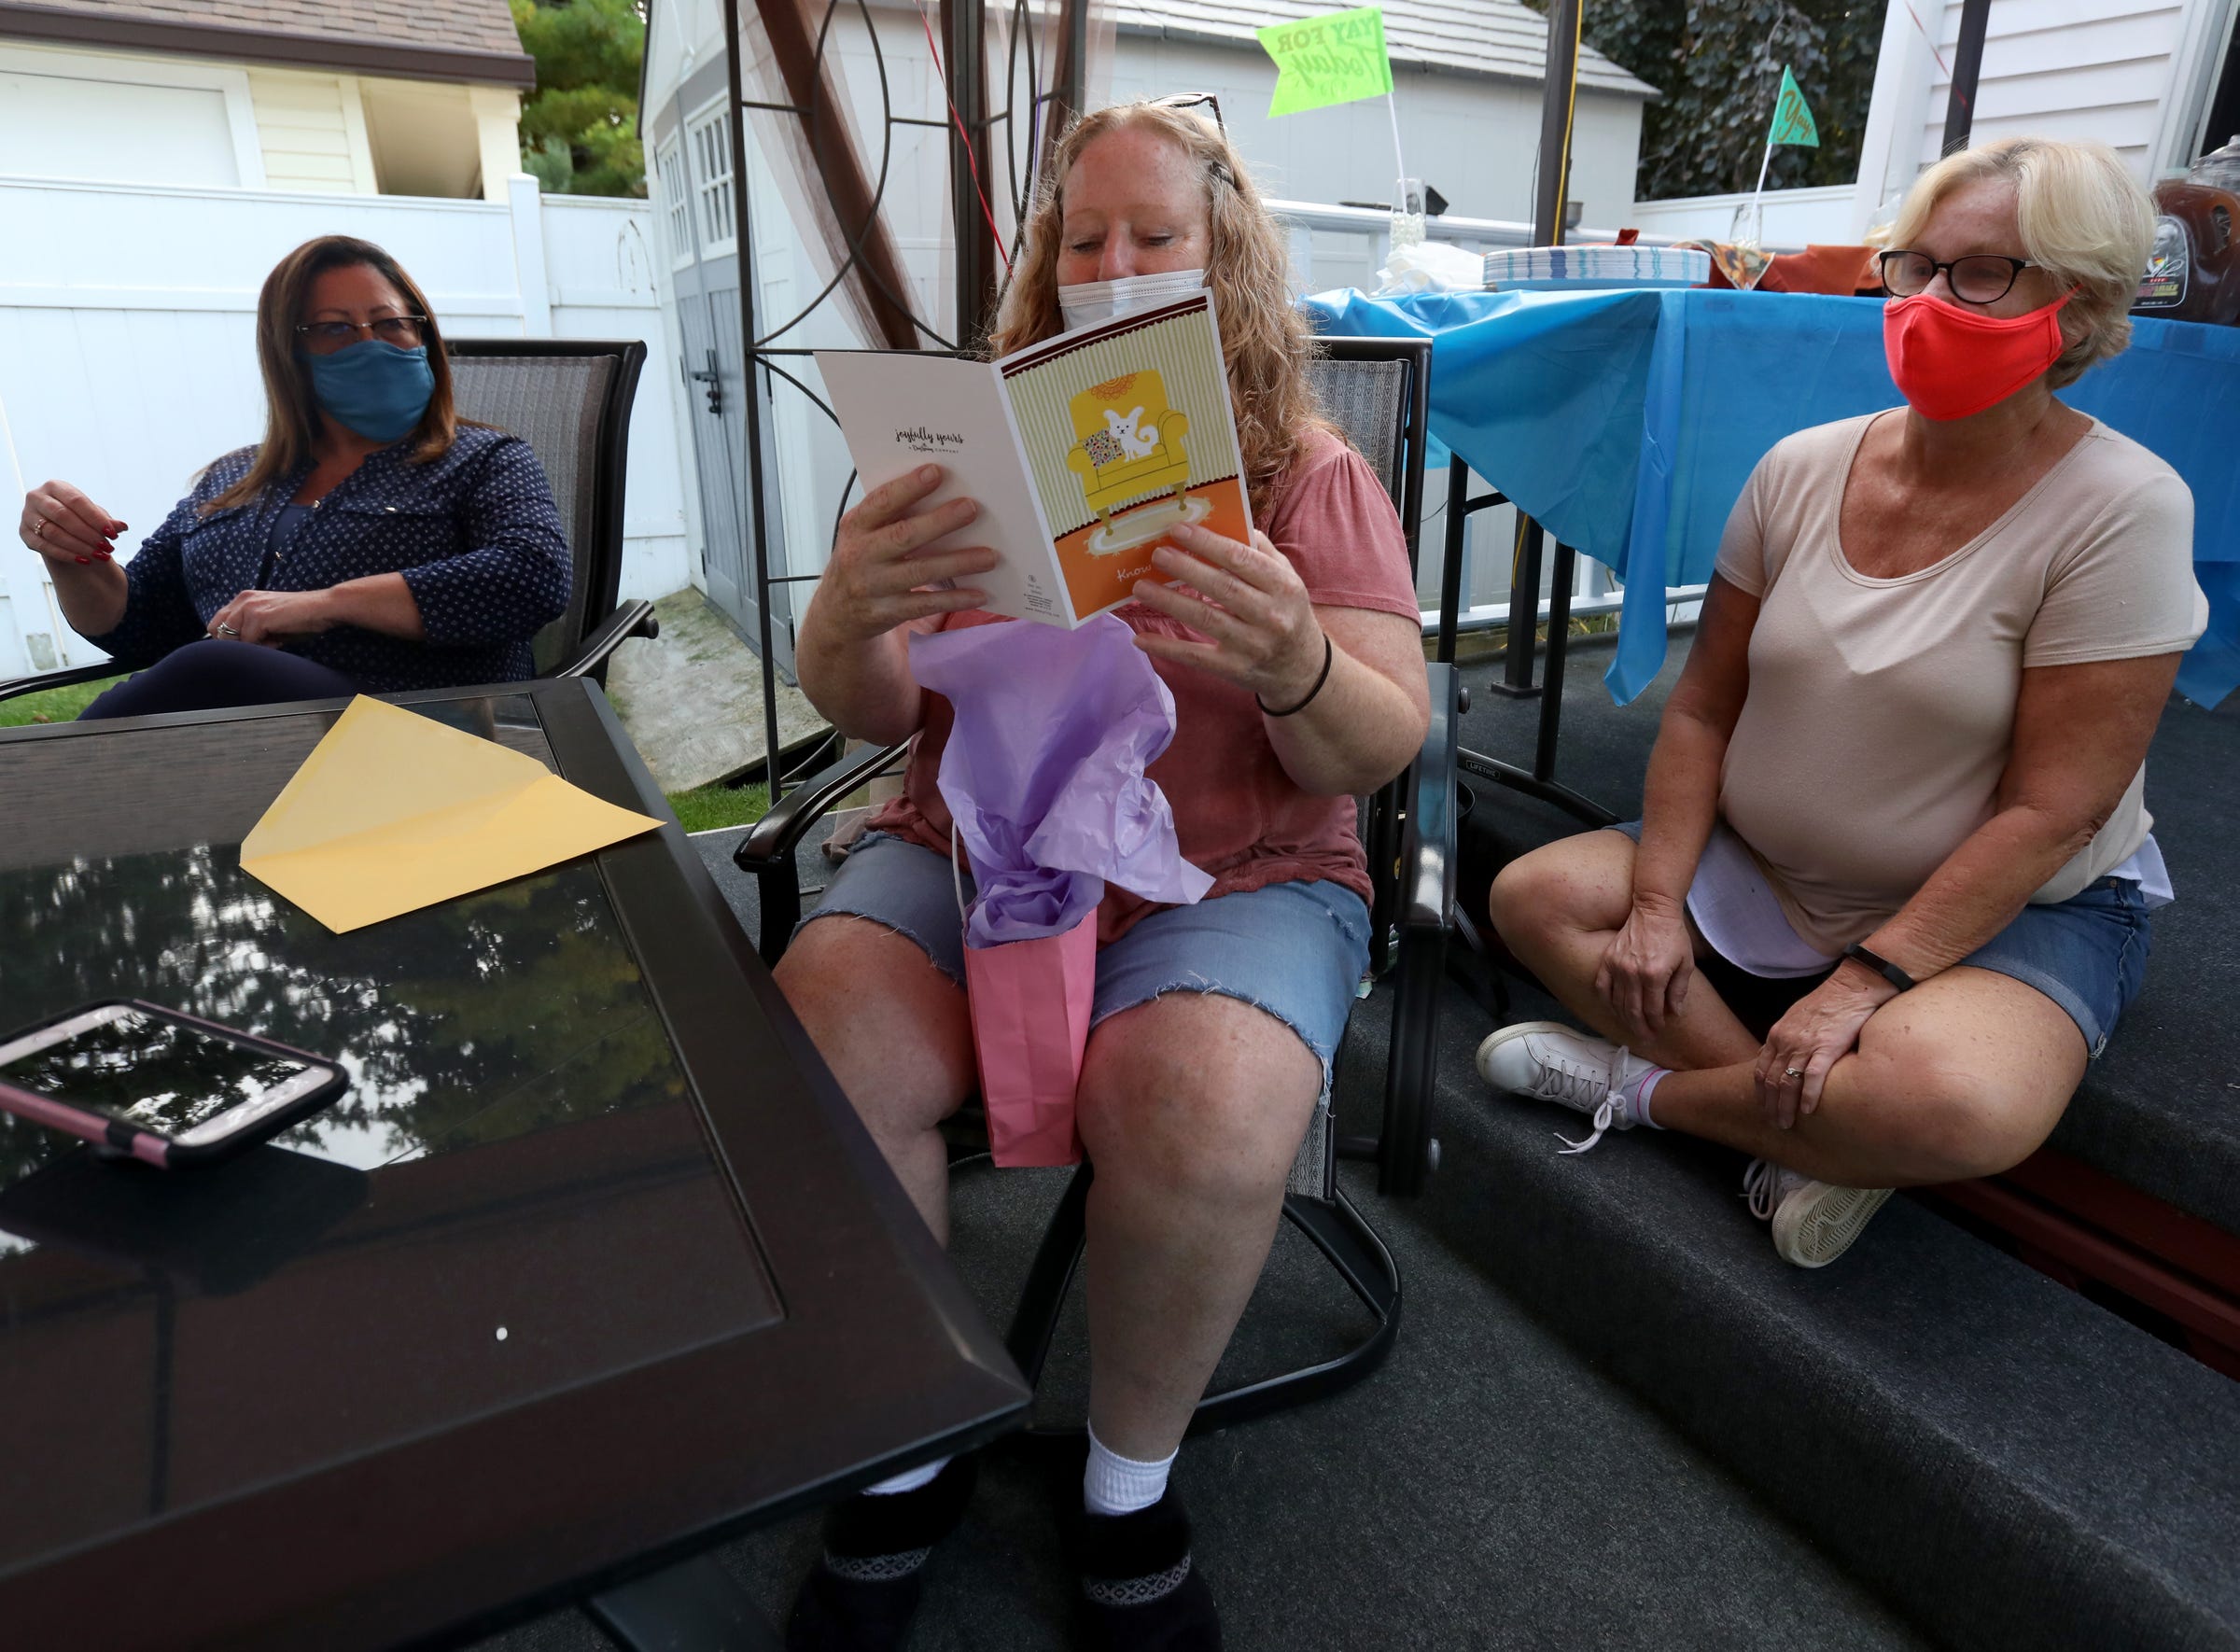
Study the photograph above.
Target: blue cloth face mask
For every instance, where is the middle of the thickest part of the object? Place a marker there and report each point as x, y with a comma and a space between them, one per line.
374, 388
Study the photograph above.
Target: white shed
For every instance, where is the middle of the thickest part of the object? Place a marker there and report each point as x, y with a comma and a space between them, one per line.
1466, 79
264, 95
158, 157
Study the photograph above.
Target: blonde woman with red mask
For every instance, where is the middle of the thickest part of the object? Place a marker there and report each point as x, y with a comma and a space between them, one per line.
1898, 788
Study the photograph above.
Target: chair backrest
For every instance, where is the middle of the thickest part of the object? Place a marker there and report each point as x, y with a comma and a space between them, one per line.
1377, 392
569, 398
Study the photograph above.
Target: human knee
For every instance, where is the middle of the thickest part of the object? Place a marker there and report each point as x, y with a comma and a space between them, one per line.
1198, 1117
1553, 888
1953, 1122
895, 1032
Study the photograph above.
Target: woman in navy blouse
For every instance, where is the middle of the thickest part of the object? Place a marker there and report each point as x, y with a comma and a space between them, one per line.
371, 542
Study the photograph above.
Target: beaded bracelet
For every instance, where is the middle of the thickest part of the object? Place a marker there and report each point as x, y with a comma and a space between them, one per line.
1328, 653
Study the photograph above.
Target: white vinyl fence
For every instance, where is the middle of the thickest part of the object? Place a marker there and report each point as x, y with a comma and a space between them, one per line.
128, 357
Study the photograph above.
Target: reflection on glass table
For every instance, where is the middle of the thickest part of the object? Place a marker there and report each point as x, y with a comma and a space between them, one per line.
505, 1061
590, 1267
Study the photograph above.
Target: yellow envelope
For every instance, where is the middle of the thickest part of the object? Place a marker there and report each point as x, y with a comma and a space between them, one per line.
393, 811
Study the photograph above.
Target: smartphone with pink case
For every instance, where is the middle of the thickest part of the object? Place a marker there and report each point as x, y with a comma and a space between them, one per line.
165, 1087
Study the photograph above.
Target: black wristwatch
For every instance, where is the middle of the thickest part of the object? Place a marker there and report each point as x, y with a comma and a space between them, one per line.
1880, 966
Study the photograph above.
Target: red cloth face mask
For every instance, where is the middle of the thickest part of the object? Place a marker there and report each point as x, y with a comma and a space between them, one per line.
1951, 362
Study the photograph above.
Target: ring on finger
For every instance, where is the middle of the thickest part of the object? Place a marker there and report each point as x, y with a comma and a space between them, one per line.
1792, 1072
226, 630
38, 528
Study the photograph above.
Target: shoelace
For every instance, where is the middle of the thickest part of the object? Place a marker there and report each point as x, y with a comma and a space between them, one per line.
1760, 1182
1606, 1112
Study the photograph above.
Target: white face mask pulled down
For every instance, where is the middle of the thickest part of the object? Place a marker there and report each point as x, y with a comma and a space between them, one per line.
1086, 302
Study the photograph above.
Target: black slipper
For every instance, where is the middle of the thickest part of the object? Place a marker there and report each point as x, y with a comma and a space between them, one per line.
1142, 1590
863, 1590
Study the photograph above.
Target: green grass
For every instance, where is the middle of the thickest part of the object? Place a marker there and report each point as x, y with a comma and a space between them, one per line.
52, 704
707, 808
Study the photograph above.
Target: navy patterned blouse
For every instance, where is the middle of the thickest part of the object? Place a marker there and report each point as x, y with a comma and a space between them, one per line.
475, 534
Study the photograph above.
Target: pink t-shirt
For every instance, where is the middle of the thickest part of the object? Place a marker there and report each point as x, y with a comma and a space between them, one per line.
1238, 816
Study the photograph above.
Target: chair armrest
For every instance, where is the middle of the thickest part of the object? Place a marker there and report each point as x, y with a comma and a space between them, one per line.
1428, 849
1407, 1152
772, 840
62, 678
633, 618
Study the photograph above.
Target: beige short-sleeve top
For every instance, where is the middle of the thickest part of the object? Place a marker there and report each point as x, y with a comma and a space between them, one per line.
1880, 711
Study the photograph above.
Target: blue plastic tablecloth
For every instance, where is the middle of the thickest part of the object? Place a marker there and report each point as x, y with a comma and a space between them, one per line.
1626, 423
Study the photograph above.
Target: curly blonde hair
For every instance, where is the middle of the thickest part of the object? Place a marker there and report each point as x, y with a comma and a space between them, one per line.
1265, 342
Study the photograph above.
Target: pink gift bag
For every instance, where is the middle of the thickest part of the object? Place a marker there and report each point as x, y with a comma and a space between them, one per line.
1030, 1024
1043, 775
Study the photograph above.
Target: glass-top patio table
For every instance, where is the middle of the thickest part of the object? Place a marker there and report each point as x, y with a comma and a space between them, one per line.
590, 1267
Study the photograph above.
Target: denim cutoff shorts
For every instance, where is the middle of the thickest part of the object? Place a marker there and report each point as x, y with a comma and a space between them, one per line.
2088, 953
1295, 950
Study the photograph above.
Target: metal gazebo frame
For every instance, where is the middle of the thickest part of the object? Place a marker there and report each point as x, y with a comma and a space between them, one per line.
964, 30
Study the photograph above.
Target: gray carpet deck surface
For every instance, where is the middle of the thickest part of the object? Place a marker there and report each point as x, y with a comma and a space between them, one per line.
1488, 1488
2015, 1466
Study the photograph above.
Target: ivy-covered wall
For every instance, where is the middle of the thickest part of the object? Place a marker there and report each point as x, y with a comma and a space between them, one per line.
1719, 64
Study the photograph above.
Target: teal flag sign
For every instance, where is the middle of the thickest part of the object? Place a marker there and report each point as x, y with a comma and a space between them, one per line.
1792, 117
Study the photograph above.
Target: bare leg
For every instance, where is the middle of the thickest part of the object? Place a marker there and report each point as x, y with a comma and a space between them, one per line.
1965, 1075
1558, 908
1192, 1109
897, 1035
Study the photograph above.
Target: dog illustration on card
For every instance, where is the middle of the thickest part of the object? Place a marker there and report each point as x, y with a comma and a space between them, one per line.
1129, 446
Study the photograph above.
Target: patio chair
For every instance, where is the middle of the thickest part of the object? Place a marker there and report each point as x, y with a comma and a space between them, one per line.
1375, 390
569, 398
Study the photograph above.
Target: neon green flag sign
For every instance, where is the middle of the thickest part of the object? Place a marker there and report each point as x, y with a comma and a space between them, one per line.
1792, 119
1333, 59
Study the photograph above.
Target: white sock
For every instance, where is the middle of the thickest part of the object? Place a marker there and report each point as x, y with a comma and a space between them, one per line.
909, 1480
1118, 1485
1642, 1087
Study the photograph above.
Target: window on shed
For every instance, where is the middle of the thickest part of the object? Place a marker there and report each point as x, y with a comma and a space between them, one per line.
677, 199
711, 171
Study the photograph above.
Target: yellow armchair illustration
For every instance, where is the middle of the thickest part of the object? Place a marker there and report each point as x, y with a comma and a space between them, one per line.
1127, 442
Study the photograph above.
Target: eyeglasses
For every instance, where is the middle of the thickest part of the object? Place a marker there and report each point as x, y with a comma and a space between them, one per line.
324, 338
1190, 100
1980, 278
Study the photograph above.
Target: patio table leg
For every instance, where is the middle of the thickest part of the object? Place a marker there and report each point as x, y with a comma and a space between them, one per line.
1524, 618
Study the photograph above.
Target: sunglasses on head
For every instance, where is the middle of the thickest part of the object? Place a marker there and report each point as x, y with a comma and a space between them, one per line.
1190, 100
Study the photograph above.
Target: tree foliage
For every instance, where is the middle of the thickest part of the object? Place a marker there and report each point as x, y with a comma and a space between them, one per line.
579, 130
1718, 64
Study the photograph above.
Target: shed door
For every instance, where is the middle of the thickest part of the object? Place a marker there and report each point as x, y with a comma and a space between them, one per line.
707, 312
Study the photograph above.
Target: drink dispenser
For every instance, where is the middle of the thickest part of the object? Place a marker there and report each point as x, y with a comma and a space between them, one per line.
2193, 272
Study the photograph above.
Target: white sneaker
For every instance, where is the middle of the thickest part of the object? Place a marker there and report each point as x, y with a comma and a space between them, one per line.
1550, 1063
1813, 1222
